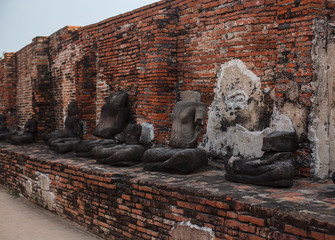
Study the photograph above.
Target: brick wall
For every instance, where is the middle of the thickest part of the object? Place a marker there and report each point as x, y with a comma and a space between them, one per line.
123, 203
8, 78
63, 53
135, 52
157, 80
2, 84
331, 9
24, 91
295, 35
158, 50
41, 84
33, 84
214, 32
155, 51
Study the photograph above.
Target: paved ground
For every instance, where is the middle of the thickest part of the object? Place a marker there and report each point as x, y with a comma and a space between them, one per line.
23, 220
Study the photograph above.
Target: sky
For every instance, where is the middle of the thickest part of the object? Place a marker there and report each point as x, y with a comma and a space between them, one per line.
22, 20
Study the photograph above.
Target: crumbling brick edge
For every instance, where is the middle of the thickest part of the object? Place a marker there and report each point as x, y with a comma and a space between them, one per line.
120, 203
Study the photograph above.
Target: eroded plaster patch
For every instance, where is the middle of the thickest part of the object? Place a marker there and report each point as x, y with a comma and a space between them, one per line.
331, 79
103, 91
321, 130
147, 134
45, 195
28, 185
189, 231
240, 114
281, 122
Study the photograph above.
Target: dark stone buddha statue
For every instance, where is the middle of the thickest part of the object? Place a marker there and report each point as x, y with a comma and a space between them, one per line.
4, 131
113, 120
27, 136
64, 140
126, 154
188, 117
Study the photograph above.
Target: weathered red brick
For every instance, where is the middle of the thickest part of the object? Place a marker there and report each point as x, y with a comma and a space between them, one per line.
251, 219
296, 231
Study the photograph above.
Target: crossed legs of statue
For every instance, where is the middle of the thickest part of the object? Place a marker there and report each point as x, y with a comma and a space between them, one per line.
174, 160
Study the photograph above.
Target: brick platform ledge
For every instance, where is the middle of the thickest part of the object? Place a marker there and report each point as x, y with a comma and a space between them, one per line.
129, 203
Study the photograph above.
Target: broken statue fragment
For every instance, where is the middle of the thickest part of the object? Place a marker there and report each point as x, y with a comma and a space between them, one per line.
274, 169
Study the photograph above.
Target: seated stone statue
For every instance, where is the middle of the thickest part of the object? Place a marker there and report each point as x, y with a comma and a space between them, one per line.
71, 125
3, 123
114, 118
28, 134
274, 169
64, 140
4, 131
127, 154
188, 117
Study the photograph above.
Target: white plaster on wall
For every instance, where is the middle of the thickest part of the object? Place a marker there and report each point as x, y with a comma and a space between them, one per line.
103, 91
246, 143
234, 115
321, 130
49, 200
148, 133
28, 185
281, 122
235, 112
331, 80
189, 231
39, 188
44, 182
64, 113
249, 143
45, 196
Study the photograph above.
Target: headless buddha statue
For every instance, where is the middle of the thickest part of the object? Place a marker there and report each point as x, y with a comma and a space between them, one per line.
188, 117
64, 140
28, 134
114, 118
